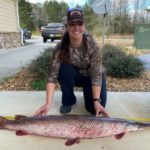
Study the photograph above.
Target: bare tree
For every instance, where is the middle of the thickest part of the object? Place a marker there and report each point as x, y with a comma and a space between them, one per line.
136, 12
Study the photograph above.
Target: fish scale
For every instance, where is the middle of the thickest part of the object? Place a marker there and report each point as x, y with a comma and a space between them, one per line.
71, 127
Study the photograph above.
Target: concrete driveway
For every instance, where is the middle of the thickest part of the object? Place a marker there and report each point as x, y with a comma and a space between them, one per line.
12, 60
129, 105
146, 60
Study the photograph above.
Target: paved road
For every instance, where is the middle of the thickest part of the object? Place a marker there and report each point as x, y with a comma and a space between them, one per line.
146, 59
12, 60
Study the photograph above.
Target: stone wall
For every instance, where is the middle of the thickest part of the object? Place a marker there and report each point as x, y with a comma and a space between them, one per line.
10, 39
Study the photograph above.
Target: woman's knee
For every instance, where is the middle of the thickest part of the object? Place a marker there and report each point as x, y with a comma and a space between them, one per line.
65, 71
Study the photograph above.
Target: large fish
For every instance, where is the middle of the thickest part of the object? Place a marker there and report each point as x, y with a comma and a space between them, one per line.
71, 127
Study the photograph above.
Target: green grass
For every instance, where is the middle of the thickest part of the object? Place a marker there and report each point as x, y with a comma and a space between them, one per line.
39, 85
7, 78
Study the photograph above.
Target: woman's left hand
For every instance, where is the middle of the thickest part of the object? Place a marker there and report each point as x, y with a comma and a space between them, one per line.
100, 109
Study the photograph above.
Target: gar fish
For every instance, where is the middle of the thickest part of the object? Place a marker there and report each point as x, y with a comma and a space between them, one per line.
71, 127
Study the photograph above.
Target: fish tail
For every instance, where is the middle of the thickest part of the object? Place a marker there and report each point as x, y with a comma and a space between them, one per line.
3, 122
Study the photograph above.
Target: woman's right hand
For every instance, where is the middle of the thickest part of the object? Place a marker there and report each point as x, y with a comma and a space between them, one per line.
42, 110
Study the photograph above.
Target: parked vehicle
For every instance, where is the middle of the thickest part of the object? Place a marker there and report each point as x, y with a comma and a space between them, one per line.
52, 31
27, 34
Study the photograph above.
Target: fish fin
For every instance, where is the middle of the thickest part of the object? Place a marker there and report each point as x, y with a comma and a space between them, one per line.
18, 117
70, 142
21, 133
119, 136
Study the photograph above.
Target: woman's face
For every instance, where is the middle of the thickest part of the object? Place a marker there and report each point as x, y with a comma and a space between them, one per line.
75, 29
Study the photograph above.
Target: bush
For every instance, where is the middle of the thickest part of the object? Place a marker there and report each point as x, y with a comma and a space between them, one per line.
119, 65
110, 52
40, 65
127, 67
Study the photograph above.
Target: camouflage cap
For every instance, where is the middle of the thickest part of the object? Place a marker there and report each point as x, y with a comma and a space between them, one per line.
75, 14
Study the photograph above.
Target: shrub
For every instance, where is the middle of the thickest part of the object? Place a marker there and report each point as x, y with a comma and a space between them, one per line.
127, 67
119, 65
110, 52
40, 65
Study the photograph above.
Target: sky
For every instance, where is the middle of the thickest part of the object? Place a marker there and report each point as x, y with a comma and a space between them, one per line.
72, 3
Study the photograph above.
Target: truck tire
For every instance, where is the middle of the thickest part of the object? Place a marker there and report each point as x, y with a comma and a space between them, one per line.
44, 39
52, 40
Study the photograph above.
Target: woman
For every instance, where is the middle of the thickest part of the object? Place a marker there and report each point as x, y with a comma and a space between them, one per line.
76, 61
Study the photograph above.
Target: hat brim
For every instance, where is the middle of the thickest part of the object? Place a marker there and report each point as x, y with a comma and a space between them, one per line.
75, 20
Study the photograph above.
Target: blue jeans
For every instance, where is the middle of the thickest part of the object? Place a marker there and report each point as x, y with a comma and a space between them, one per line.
70, 77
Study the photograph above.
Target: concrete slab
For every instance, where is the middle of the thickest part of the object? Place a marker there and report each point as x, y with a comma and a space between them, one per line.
122, 105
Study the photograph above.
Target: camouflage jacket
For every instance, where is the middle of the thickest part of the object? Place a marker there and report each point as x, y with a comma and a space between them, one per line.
88, 62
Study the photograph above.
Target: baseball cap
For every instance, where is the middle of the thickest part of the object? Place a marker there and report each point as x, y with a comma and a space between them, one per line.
75, 14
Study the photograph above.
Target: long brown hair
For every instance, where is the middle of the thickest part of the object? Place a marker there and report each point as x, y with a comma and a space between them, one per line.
64, 55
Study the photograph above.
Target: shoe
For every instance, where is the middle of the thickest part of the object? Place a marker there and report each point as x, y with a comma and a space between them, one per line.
65, 109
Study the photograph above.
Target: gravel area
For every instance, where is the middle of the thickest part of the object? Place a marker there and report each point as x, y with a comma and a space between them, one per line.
24, 79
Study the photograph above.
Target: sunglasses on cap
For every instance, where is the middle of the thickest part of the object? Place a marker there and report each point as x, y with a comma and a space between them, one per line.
71, 9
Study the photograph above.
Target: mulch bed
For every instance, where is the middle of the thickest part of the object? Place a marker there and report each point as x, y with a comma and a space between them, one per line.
24, 79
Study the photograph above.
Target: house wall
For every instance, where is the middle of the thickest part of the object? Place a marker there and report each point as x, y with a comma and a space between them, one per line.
9, 32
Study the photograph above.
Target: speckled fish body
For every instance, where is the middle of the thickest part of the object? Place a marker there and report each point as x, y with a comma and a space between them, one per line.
71, 127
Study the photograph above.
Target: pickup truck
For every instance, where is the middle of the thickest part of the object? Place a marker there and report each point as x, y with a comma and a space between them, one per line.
26, 34
52, 31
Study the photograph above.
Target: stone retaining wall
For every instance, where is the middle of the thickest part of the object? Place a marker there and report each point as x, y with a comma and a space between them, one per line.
10, 39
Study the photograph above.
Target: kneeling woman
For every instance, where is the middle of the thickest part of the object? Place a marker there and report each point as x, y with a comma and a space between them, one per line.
76, 61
